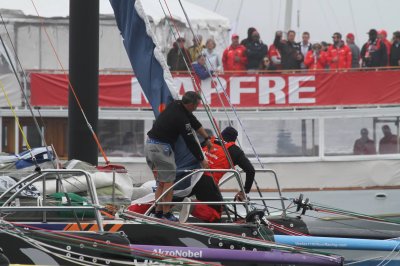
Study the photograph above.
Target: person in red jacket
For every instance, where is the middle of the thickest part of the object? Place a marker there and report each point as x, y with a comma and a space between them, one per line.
339, 54
234, 57
316, 58
207, 187
382, 34
275, 56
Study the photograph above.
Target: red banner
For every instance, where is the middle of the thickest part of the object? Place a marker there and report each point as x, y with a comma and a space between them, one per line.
243, 90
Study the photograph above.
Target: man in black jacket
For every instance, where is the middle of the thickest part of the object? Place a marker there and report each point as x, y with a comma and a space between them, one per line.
373, 52
290, 50
177, 119
256, 50
178, 57
395, 50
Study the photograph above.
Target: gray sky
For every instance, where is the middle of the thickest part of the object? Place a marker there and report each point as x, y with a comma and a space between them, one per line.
320, 17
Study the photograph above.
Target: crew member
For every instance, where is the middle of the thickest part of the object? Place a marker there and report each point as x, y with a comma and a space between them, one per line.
217, 159
206, 188
177, 119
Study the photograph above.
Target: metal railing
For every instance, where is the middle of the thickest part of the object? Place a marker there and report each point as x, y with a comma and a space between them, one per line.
280, 198
15, 190
234, 173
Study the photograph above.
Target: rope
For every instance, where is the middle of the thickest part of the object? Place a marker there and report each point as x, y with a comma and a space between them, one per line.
70, 86
220, 235
184, 51
390, 256
117, 248
25, 140
333, 221
204, 99
234, 110
326, 209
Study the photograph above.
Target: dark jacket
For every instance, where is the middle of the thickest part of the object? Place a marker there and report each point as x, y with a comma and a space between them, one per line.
255, 52
289, 52
364, 146
388, 144
175, 121
395, 54
175, 59
374, 54
250, 31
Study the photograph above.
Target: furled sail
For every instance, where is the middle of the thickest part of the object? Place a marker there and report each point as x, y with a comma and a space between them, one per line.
149, 66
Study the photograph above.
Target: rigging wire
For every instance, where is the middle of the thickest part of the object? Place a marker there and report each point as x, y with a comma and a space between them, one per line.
362, 261
334, 15
285, 230
53, 235
197, 88
183, 51
217, 5
26, 98
380, 17
222, 235
25, 140
325, 15
279, 14
234, 110
52, 158
334, 221
390, 256
238, 13
19, 81
107, 161
354, 214
231, 105
352, 18
38, 128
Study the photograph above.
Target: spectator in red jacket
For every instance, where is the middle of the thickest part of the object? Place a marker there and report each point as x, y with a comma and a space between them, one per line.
275, 56
234, 57
339, 54
316, 58
382, 35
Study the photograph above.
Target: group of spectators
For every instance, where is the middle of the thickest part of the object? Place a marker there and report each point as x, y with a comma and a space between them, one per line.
388, 144
252, 55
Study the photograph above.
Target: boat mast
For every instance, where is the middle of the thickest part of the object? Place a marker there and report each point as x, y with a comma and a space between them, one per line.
288, 16
84, 77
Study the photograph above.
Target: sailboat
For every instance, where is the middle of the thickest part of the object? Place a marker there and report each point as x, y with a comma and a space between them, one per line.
173, 233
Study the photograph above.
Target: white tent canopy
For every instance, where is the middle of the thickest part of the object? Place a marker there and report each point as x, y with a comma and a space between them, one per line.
204, 22
199, 16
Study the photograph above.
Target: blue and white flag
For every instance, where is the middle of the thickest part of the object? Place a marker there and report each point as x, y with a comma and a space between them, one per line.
149, 65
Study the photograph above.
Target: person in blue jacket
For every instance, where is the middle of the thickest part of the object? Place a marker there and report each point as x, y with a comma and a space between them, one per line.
200, 69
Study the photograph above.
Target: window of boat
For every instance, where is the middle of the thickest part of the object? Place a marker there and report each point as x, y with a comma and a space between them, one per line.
122, 138
277, 138
361, 136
